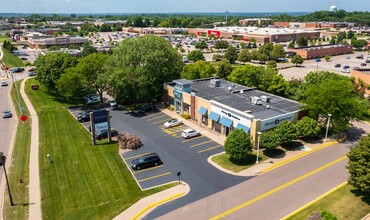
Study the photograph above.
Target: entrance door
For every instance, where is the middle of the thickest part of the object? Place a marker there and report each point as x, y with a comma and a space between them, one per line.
227, 130
178, 106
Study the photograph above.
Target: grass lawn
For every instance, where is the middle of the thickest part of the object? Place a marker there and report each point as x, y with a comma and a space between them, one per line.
237, 166
83, 181
3, 38
10, 60
19, 167
342, 203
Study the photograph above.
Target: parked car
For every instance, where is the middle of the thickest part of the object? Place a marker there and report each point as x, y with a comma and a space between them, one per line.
6, 114
173, 122
146, 108
346, 67
363, 64
337, 65
104, 134
23, 58
84, 116
31, 73
345, 70
16, 69
4, 83
112, 103
32, 70
360, 57
93, 100
189, 133
146, 161
347, 57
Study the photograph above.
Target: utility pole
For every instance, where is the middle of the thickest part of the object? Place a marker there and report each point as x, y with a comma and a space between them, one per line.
2, 162
226, 17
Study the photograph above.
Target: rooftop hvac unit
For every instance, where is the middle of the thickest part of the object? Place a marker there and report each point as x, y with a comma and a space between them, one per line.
215, 83
229, 88
255, 100
265, 98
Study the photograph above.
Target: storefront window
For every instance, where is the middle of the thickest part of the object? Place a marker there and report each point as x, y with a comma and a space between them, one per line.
171, 101
217, 126
205, 119
186, 108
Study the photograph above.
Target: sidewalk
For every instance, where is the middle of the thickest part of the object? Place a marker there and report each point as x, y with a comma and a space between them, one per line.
34, 185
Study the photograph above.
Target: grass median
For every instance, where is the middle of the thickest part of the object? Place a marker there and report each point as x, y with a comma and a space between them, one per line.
11, 60
20, 166
237, 166
83, 181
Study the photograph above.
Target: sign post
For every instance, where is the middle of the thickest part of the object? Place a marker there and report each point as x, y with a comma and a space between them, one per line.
178, 175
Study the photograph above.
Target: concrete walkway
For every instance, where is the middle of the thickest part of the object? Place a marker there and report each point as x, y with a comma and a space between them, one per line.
34, 186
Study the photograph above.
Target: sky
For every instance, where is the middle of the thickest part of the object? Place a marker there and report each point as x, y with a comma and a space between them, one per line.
165, 6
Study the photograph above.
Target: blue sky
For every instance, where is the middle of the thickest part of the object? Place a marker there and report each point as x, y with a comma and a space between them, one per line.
162, 6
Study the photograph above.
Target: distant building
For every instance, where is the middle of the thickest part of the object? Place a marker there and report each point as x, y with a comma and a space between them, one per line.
57, 41
364, 75
312, 25
321, 51
333, 8
255, 21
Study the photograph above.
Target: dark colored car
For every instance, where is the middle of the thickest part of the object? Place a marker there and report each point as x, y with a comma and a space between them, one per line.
346, 67
363, 64
17, 69
367, 61
146, 161
146, 108
104, 134
360, 57
84, 116
337, 65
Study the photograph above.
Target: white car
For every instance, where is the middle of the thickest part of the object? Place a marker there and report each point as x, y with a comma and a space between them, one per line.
112, 103
4, 83
6, 114
172, 123
189, 133
345, 70
93, 100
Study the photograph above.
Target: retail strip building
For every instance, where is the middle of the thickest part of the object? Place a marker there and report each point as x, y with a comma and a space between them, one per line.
223, 106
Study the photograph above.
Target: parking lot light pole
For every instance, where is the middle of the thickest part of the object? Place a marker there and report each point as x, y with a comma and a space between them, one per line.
327, 127
6, 177
258, 144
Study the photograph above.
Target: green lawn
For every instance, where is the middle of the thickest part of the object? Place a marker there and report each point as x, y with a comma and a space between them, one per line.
10, 60
342, 203
84, 181
3, 38
20, 167
237, 166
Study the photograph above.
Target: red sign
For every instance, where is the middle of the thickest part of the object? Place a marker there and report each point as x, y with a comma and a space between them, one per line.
214, 33
23, 118
245, 39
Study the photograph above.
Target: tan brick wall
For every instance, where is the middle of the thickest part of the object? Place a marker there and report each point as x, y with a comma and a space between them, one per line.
361, 75
206, 104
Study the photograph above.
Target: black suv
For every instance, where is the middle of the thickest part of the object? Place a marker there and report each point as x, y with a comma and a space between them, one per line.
146, 108
104, 134
146, 161
84, 116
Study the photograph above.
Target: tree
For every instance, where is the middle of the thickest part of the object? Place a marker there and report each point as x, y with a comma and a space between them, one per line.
54, 48
91, 68
139, 66
196, 55
277, 52
244, 56
72, 84
238, 144
231, 54
201, 45
254, 45
49, 68
350, 34
224, 68
198, 70
359, 166
221, 44
327, 58
297, 60
270, 140
217, 57
341, 36
271, 64
263, 58
266, 49
254, 54
286, 132
358, 43
87, 49
302, 41
329, 93
307, 127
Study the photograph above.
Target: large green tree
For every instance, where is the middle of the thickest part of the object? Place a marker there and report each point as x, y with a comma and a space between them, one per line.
302, 41
49, 68
277, 52
238, 144
307, 127
224, 68
198, 70
221, 44
359, 165
231, 54
297, 60
87, 49
244, 56
139, 67
195, 55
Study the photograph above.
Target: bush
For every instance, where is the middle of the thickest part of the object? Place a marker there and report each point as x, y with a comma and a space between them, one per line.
238, 145
129, 141
327, 216
185, 116
171, 108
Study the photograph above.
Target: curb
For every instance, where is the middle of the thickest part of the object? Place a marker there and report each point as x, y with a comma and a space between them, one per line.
328, 144
313, 201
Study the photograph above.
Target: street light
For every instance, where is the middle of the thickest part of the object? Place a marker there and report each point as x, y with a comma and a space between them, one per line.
2, 162
327, 127
258, 144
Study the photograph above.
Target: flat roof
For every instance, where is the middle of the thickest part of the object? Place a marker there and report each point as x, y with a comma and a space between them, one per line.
241, 101
262, 31
363, 70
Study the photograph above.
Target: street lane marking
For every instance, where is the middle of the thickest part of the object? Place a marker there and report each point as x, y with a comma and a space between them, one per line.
315, 200
204, 142
190, 139
211, 148
236, 208
161, 116
147, 116
152, 168
157, 122
127, 158
153, 177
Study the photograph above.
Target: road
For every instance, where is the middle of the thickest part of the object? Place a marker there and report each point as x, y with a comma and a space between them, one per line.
271, 195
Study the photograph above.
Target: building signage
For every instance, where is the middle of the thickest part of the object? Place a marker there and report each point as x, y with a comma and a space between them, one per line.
177, 94
214, 33
101, 127
232, 115
100, 116
273, 122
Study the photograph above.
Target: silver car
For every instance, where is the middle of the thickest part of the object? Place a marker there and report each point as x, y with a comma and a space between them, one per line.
172, 123
189, 133
6, 114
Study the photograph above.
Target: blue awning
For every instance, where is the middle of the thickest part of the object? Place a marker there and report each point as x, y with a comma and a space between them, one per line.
225, 121
246, 129
214, 116
202, 110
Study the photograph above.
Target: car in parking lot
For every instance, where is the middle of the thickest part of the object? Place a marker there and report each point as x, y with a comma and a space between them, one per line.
23, 58
345, 70
4, 83
92, 100
146, 161
189, 133
112, 103
31, 73
6, 114
367, 61
84, 116
16, 69
360, 57
104, 134
146, 108
337, 65
347, 57
345, 67
363, 64
172, 122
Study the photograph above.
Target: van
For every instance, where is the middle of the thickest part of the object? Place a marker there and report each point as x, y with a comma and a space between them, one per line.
146, 161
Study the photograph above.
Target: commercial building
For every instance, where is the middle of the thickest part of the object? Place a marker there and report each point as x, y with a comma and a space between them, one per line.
261, 35
57, 41
312, 25
223, 106
321, 51
364, 75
